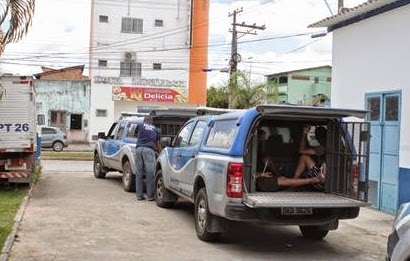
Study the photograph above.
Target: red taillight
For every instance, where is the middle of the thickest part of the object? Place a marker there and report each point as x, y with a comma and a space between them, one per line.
234, 180
355, 179
17, 162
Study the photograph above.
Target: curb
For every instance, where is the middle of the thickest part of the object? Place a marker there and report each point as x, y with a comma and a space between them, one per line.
75, 159
17, 220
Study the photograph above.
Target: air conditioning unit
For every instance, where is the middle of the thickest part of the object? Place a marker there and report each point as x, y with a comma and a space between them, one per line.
130, 56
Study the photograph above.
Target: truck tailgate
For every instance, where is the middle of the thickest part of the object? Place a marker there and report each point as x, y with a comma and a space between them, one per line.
299, 199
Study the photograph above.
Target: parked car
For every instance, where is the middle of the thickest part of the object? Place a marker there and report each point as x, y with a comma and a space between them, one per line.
213, 163
398, 244
52, 137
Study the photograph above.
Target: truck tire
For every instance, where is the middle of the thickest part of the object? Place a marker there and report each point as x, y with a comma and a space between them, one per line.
98, 167
203, 218
313, 232
128, 179
163, 197
58, 146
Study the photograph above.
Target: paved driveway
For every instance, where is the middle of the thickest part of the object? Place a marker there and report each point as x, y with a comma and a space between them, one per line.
73, 216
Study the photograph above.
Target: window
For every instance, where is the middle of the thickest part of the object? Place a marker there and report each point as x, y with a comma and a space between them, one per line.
273, 80
316, 79
102, 63
103, 18
197, 133
392, 108
156, 66
222, 134
131, 130
283, 79
159, 23
48, 131
101, 113
183, 136
132, 25
373, 104
130, 68
111, 130
58, 119
120, 130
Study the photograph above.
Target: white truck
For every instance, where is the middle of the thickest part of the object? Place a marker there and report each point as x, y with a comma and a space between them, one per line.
18, 128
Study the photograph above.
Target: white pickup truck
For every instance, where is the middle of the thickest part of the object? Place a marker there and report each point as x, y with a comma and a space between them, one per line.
114, 151
213, 162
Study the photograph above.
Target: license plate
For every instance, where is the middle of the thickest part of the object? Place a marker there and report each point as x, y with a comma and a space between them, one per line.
296, 211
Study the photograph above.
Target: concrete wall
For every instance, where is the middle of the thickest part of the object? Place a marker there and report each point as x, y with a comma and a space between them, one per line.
373, 56
70, 96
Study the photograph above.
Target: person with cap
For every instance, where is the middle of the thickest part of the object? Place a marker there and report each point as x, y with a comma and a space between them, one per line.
147, 143
312, 159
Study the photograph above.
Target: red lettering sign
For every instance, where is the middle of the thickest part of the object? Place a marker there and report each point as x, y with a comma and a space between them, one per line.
137, 93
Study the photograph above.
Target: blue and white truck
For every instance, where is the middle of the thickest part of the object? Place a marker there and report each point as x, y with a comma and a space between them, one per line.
18, 128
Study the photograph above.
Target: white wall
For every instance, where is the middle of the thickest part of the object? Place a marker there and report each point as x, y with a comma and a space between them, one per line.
373, 56
108, 43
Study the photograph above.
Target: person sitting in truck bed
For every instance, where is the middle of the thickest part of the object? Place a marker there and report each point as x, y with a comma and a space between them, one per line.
311, 161
270, 179
269, 176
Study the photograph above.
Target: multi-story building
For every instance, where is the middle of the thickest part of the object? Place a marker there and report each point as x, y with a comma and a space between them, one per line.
146, 55
310, 86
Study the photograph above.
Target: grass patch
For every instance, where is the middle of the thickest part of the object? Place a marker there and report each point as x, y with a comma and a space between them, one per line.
11, 197
67, 154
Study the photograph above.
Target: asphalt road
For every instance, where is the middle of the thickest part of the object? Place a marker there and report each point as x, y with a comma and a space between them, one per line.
73, 216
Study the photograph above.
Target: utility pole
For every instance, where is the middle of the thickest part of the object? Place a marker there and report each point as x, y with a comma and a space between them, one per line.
235, 56
340, 6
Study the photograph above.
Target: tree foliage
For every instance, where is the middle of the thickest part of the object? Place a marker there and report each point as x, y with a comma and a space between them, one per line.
217, 97
245, 93
17, 16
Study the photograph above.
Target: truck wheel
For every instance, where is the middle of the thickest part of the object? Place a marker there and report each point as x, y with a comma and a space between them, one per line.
58, 146
203, 218
128, 179
98, 168
164, 197
313, 232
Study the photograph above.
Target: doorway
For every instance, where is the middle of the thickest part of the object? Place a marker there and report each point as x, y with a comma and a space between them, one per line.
384, 149
75, 121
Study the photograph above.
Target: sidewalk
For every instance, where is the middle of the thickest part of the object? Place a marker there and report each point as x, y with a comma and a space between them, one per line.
80, 147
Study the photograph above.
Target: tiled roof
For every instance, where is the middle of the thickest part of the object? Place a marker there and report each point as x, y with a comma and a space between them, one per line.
350, 13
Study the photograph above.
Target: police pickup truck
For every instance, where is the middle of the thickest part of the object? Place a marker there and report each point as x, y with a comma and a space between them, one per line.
213, 163
114, 151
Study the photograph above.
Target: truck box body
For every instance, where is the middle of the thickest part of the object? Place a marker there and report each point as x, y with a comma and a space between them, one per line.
18, 128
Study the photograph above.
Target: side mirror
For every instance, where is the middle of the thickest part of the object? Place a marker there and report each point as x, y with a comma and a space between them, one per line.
165, 141
101, 135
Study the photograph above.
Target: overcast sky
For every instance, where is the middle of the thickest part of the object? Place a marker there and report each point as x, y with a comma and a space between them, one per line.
59, 36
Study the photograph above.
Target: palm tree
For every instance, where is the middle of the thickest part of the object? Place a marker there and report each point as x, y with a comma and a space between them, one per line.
19, 13
247, 94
